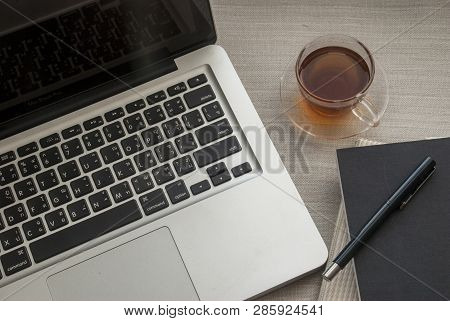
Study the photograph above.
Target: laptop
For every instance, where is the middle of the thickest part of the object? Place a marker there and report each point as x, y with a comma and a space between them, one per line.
133, 165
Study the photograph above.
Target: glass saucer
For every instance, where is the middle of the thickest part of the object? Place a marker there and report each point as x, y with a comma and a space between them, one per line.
365, 115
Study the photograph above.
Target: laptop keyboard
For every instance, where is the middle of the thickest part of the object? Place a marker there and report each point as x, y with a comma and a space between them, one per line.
109, 171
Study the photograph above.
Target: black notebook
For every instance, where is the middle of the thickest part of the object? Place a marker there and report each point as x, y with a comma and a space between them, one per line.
409, 257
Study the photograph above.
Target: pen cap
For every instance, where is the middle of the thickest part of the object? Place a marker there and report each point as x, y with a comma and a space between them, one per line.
413, 182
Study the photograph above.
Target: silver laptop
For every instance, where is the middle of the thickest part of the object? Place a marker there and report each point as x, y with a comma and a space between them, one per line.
133, 165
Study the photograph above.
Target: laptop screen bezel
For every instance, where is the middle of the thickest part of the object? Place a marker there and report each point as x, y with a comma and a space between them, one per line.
84, 98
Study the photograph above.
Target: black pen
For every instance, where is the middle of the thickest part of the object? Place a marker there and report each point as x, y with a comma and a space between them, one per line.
398, 200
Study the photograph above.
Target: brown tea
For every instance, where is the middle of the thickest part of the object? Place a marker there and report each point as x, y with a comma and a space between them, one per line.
334, 73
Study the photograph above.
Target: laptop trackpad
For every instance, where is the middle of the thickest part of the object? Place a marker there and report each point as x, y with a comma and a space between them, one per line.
147, 268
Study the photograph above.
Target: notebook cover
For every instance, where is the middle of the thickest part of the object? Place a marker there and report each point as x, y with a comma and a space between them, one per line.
409, 255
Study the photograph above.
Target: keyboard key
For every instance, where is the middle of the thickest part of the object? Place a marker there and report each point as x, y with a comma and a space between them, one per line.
29, 166
93, 123
114, 114
15, 214
59, 196
134, 123
212, 111
124, 169
90, 162
72, 148
11, 238
8, 174
121, 192
111, 153
176, 89
199, 96
241, 169
27, 149
173, 128
71, 132
132, 145
177, 191
38, 205
15, 261
51, 157
154, 201
25, 188
103, 178
56, 220
78, 210
163, 174
142, 183
193, 119
7, 157
154, 115
50, 140
210, 133
93, 140
174, 106
152, 136
47, 180
85, 231
216, 169
135, 106
69, 171
6, 197
200, 187
197, 80
184, 165
33, 229
186, 143
145, 160
156, 97
81, 187
219, 174
216, 151
165, 152
2, 226
100, 201
113, 131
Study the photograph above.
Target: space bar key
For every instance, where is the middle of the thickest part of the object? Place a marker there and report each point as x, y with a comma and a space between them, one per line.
85, 231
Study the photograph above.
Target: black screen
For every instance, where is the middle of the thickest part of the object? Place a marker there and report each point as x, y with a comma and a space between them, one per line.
55, 49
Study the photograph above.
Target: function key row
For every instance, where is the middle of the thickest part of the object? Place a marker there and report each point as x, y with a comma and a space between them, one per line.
27, 149
93, 123
176, 89
114, 114
197, 80
7, 157
194, 98
135, 106
50, 140
71, 132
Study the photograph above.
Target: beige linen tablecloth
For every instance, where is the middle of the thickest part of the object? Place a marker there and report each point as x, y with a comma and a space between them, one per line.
411, 39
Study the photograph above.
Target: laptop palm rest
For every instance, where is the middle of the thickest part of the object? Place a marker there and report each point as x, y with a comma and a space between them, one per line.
147, 268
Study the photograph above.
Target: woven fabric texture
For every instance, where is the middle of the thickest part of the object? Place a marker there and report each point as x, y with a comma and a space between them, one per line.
409, 38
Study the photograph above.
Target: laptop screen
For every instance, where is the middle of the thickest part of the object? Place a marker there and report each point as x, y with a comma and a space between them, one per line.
51, 50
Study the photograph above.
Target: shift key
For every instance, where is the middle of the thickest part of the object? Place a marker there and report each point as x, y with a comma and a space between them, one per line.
216, 151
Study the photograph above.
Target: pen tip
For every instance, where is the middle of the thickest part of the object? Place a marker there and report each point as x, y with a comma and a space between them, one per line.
332, 270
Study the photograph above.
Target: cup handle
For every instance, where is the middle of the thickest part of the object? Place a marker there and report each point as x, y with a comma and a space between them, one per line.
366, 112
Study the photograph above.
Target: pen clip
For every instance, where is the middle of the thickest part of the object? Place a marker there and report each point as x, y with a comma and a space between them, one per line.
406, 201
